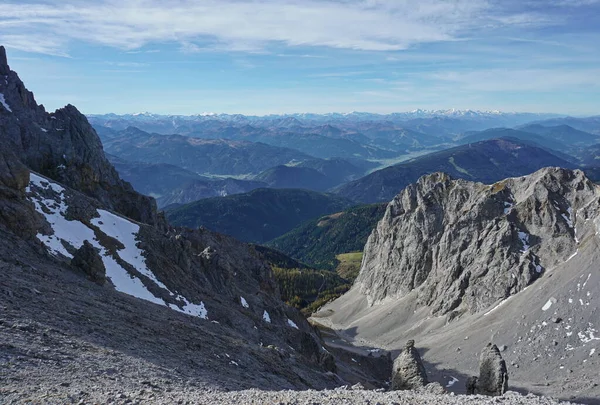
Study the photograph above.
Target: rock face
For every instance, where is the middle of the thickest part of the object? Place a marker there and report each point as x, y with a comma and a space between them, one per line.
87, 259
463, 246
64, 147
15, 214
408, 370
493, 376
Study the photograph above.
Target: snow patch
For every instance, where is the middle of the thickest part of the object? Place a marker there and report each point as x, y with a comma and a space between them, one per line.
125, 232
507, 207
524, 237
198, 310
497, 306
3, 102
125, 282
266, 317
573, 255
452, 382
548, 304
244, 302
292, 324
74, 233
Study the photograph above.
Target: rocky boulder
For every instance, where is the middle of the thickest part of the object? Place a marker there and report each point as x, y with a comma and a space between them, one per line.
87, 259
408, 370
493, 376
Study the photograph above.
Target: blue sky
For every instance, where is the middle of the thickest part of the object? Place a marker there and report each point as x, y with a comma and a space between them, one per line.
280, 56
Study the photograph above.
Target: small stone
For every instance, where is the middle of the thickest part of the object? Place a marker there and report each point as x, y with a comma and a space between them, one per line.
503, 348
557, 319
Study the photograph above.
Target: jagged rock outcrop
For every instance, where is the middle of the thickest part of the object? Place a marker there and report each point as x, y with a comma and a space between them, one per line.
493, 376
87, 259
408, 370
463, 246
64, 147
15, 213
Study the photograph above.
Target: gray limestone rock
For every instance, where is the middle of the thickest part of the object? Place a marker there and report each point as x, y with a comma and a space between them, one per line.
471, 385
462, 246
327, 361
16, 213
408, 370
4, 69
87, 259
493, 376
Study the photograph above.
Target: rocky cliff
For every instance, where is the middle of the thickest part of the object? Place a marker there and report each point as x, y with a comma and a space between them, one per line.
456, 265
64, 147
463, 245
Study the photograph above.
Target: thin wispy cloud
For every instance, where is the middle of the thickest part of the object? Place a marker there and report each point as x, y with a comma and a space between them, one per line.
186, 56
365, 25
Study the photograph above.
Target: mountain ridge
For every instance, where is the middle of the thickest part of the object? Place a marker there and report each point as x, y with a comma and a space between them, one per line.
487, 161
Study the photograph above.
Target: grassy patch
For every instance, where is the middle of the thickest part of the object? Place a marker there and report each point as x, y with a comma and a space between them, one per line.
349, 265
457, 167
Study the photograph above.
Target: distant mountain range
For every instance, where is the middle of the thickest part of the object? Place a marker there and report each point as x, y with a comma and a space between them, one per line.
487, 161
355, 134
214, 156
289, 120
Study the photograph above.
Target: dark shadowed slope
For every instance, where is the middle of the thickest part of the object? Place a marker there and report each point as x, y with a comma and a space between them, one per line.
319, 241
295, 177
257, 216
215, 156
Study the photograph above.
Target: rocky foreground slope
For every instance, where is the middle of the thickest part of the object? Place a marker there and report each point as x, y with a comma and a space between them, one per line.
455, 264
